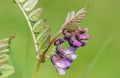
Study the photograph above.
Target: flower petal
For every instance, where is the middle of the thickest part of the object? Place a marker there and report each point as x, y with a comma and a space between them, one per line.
73, 41
70, 50
83, 37
61, 71
77, 43
63, 64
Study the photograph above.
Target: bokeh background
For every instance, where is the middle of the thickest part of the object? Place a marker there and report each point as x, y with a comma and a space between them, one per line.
102, 20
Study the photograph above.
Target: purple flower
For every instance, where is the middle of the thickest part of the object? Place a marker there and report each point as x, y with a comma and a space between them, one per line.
64, 63
74, 42
60, 49
71, 49
63, 58
54, 60
61, 71
69, 53
61, 63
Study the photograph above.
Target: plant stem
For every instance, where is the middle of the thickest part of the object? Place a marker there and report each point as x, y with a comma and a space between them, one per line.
52, 40
43, 56
30, 26
35, 75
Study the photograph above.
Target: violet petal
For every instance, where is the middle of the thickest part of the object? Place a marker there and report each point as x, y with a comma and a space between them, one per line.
83, 37
70, 50
73, 41
61, 71
60, 49
65, 63
77, 43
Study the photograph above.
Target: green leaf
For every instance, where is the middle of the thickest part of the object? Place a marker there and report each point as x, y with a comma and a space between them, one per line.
5, 40
44, 43
39, 26
30, 5
4, 51
47, 30
42, 32
6, 70
35, 15
43, 38
3, 58
21, 1
3, 46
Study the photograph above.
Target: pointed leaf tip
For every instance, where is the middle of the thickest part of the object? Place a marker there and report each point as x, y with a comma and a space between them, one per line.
30, 5
35, 15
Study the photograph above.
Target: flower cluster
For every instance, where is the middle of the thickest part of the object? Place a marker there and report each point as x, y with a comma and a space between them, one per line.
63, 58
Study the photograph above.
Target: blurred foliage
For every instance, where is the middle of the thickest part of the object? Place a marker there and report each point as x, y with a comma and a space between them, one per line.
102, 20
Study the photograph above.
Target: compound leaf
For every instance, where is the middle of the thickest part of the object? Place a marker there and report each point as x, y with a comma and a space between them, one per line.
5, 70
73, 20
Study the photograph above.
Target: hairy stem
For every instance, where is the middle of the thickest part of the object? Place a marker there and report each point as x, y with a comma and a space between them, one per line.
29, 24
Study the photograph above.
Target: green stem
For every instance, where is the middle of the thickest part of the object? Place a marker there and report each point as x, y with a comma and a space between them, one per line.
35, 75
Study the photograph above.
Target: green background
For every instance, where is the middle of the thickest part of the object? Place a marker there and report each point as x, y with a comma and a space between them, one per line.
102, 20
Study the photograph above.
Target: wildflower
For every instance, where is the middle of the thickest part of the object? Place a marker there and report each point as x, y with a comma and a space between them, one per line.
63, 58
61, 63
69, 53
73, 41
